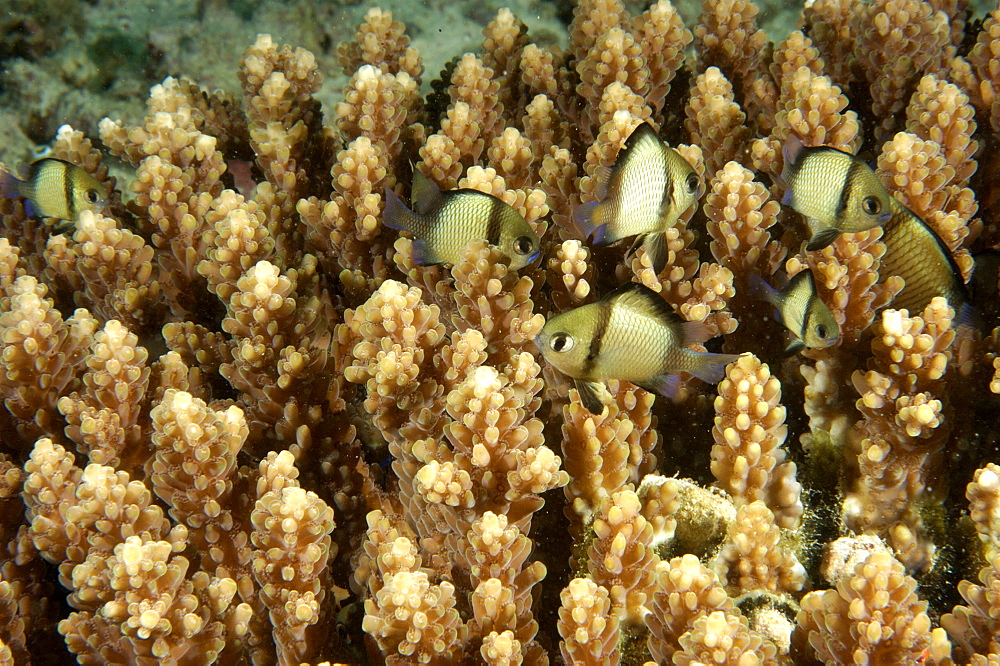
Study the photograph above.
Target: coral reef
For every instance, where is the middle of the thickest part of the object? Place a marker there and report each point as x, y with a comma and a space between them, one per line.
241, 425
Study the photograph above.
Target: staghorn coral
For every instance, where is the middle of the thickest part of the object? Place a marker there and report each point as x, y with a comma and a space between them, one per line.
241, 426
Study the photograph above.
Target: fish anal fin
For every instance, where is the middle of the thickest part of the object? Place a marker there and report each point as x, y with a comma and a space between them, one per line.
665, 385
822, 239
711, 368
591, 394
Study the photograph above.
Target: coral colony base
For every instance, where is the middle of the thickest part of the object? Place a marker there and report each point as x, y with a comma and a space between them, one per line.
249, 429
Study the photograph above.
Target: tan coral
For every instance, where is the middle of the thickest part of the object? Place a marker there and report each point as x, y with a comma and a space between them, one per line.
587, 625
753, 559
873, 614
748, 458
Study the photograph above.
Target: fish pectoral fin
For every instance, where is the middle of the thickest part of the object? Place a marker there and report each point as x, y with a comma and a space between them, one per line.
591, 395
822, 239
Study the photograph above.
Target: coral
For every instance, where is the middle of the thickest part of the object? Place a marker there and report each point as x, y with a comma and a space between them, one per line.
242, 425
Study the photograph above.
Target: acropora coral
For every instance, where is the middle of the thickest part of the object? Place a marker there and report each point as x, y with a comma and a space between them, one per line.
240, 424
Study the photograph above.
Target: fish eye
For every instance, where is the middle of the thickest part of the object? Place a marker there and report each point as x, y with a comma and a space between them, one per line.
91, 196
561, 342
871, 205
522, 245
691, 183
821, 331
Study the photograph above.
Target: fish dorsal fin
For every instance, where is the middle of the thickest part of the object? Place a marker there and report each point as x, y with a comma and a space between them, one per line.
642, 138
425, 196
602, 175
641, 299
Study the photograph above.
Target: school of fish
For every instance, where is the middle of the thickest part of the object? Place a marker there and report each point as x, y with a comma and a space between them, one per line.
631, 334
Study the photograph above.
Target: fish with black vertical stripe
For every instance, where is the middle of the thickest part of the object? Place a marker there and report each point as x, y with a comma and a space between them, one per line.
835, 191
644, 194
57, 189
633, 335
801, 310
444, 222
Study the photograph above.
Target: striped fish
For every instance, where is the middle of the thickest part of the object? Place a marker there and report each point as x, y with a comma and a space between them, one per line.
801, 310
631, 334
835, 191
54, 188
643, 194
443, 223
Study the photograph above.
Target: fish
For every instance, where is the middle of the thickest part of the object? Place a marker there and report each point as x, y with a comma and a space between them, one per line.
643, 195
835, 191
55, 188
801, 310
444, 222
631, 334
918, 255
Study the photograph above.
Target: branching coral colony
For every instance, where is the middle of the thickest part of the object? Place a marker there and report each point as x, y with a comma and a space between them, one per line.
248, 429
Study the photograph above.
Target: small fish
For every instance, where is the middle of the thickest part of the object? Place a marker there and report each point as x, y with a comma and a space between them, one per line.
647, 190
918, 255
801, 310
444, 223
835, 191
631, 334
55, 188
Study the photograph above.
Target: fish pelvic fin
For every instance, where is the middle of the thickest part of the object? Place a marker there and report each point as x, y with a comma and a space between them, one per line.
794, 347
655, 245
591, 395
822, 239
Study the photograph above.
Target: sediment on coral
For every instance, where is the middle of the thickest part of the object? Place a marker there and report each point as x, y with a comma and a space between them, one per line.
248, 427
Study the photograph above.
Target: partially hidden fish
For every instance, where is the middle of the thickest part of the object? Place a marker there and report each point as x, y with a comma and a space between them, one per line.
631, 334
801, 310
54, 188
918, 255
835, 191
444, 222
643, 194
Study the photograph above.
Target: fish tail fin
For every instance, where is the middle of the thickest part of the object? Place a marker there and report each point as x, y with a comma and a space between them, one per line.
711, 368
655, 245
760, 290
603, 176
585, 217
396, 215
9, 185
792, 152
822, 238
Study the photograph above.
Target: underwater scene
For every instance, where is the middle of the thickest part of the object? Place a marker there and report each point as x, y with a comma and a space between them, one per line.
585, 332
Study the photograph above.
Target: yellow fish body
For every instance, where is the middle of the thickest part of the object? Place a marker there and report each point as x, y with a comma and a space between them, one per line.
918, 255
443, 223
835, 191
801, 310
643, 194
631, 334
55, 188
